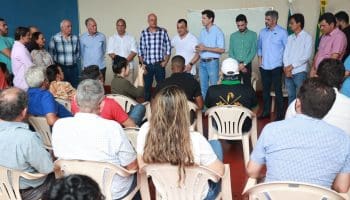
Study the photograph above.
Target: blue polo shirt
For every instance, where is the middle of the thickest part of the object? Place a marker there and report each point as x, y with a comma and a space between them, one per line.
271, 44
42, 102
93, 49
213, 38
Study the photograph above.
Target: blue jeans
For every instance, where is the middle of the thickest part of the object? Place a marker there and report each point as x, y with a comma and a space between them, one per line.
293, 84
137, 113
71, 74
152, 70
215, 188
208, 74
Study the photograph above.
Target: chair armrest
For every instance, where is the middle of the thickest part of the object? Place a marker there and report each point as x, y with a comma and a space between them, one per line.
226, 184
250, 183
144, 187
32, 176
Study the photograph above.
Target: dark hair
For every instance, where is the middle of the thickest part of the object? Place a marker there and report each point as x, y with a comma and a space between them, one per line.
8, 76
21, 32
12, 102
316, 97
342, 16
178, 61
241, 17
298, 18
328, 17
331, 71
88, 19
90, 72
35, 37
74, 187
2, 19
209, 14
182, 21
118, 64
272, 13
51, 72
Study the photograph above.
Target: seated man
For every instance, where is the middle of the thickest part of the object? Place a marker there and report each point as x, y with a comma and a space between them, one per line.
304, 148
40, 101
232, 92
87, 136
109, 108
331, 71
183, 80
22, 149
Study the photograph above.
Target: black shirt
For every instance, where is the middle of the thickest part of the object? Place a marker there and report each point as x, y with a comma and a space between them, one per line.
232, 93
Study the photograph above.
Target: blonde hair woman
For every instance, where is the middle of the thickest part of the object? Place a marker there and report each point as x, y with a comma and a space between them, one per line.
168, 139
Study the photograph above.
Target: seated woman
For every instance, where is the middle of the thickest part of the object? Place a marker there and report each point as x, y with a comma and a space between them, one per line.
5, 77
120, 85
40, 56
59, 88
40, 101
168, 132
74, 187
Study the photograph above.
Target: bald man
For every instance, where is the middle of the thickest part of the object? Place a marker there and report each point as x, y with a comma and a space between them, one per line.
64, 49
154, 52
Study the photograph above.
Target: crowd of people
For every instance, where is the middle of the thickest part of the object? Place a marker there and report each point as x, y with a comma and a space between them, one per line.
310, 143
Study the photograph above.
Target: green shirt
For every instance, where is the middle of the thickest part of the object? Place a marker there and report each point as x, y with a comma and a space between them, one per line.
243, 46
6, 43
122, 86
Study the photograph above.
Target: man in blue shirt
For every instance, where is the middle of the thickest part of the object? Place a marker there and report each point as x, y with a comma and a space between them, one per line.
93, 47
305, 148
211, 46
271, 43
40, 101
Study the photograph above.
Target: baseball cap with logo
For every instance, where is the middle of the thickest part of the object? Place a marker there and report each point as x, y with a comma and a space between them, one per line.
230, 67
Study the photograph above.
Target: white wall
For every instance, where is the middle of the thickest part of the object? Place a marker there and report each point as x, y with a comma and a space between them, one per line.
135, 12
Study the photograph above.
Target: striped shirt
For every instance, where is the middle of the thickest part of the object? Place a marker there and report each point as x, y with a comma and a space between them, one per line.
64, 51
154, 45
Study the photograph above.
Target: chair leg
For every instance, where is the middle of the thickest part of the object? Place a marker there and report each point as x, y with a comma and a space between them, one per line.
254, 138
272, 104
245, 144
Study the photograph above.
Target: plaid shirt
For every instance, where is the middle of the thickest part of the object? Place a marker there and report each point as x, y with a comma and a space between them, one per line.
154, 46
64, 51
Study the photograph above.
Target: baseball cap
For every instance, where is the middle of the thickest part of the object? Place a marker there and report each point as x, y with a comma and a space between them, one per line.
230, 67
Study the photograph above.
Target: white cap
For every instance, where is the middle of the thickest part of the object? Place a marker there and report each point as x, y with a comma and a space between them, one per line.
230, 67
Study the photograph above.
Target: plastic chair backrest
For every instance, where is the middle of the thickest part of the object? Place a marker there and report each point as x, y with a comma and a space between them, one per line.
291, 191
40, 125
101, 172
132, 133
197, 124
229, 120
65, 103
9, 182
125, 102
165, 179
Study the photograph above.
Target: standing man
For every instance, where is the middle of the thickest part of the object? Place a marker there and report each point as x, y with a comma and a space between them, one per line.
124, 45
211, 46
154, 52
271, 43
93, 47
6, 44
296, 56
342, 19
332, 44
185, 46
243, 48
64, 49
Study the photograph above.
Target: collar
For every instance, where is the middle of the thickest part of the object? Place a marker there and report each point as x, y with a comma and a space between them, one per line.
230, 82
93, 34
336, 30
14, 124
157, 29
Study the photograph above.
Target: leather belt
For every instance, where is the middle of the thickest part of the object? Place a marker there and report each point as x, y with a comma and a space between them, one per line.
208, 59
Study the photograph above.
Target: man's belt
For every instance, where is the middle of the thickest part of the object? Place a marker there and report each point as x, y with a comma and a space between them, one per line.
208, 59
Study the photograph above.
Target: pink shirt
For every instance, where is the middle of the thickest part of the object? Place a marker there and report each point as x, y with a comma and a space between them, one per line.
21, 61
334, 42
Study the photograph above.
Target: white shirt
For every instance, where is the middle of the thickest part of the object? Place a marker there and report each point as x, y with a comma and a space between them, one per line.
298, 52
202, 152
338, 115
87, 136
122, 46
186, 47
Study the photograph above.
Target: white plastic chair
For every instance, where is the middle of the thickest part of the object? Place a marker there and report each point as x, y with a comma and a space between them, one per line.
197, 124
101, 172
254, 80
165, 179
273, 96
65, 103
132, 133
289, 191
229, 120
40, 125
9, 182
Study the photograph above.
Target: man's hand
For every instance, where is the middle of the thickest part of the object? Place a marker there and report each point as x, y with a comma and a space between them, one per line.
288, 71
200, 48
188, 68
163, 63
242, 68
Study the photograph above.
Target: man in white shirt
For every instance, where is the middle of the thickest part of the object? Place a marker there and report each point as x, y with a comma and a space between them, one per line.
185, 46
124, 45
87, 136
296, 56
